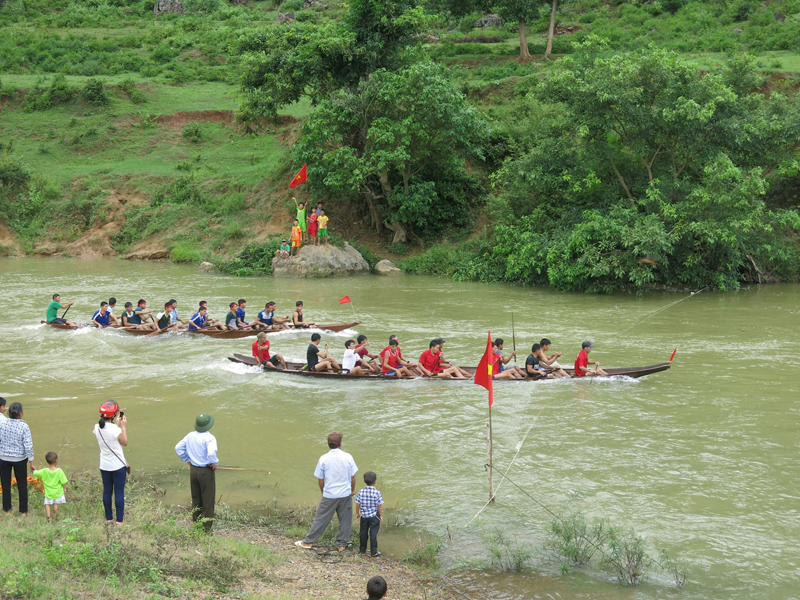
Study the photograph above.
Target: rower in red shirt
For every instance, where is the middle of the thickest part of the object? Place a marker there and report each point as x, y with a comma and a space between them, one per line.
433, 364
582, 362
261, 352
392, 362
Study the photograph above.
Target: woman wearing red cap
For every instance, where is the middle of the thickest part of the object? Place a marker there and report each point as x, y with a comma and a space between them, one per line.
112, 435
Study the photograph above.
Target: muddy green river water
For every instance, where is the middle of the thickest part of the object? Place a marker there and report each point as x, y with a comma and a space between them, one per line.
700, 460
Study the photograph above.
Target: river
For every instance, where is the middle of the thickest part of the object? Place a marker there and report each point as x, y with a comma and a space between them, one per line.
700, 460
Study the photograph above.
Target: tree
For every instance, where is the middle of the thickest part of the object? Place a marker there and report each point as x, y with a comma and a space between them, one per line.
651, 159
551, 30
284, 63
521, 11
398, 143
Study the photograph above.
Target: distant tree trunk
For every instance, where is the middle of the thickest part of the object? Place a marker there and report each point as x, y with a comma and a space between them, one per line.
552, 30
523, 42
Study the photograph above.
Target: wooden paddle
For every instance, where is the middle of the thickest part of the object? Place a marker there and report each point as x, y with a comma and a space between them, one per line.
66, 311
513, 337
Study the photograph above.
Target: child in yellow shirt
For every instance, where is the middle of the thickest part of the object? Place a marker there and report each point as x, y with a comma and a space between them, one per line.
322, 224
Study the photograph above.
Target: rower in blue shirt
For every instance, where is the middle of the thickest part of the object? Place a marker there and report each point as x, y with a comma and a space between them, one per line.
198, 320
101, 317
173, 315
240, 322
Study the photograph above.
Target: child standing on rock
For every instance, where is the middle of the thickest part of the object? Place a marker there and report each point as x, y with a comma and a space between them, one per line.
55, 482
370, 513
297, 238
301, 218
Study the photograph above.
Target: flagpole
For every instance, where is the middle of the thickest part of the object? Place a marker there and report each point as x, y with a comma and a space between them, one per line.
354, 310
491, 470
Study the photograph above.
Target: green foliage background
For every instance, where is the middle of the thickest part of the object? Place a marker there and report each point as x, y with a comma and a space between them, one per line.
533, 180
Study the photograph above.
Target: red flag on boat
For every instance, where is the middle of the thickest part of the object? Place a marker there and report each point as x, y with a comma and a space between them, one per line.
673, 355
344, 300
299, 178
483, 374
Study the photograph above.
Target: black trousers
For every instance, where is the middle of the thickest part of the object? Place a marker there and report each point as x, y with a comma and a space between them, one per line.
21, 473
204, 488
369, 528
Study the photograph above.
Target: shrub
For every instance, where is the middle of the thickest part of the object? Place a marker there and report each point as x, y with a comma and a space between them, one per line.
193, 132
255, 259
94, 92
425, 553
506, 553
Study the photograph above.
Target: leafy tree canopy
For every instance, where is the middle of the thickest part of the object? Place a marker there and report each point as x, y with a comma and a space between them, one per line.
283, 63
398, 144
652, 173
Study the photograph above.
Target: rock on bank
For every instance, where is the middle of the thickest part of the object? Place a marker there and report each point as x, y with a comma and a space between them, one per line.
322, 261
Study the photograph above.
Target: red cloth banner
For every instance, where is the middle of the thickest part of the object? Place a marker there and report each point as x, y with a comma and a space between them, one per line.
483, 375
344, 300
301, 177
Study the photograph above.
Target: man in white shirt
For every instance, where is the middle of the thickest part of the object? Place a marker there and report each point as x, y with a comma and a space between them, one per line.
199, 449
351, 362
336, 472
2, 410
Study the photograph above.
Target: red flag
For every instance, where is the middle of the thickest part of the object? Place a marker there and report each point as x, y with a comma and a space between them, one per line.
344, 300
299, 178
673, 355
483, 374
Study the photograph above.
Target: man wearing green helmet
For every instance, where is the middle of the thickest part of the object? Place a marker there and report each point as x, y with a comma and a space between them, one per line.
199, 449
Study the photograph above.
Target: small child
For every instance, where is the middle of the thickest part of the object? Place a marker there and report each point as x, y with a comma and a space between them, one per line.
322, 222
369, 511
376, 588
297, 238
55, 484
285, 250
312, 230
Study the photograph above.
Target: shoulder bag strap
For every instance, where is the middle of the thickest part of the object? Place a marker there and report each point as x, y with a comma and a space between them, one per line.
102, 437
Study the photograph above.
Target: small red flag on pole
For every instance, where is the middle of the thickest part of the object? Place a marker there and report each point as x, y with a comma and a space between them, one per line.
299, 178
344, 300
483, 374
673, 355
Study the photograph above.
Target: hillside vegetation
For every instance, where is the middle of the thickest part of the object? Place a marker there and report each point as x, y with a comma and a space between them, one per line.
659, 147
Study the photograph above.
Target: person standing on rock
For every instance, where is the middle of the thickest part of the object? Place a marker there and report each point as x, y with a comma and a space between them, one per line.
301, 218
199, 449
336, 474
322, 220
297, 238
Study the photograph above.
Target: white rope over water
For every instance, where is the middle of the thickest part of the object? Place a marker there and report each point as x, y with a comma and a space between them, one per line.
653, 314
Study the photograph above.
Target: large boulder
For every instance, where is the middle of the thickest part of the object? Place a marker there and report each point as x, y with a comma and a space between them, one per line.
207, 267
168, 6
492, 20
322, 261
387, 267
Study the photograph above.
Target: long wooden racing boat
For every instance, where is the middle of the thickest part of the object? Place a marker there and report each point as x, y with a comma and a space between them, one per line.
230, 334
64, 326
294, 368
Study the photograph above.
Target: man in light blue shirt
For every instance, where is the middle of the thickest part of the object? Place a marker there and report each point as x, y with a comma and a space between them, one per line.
336, 474
199, 449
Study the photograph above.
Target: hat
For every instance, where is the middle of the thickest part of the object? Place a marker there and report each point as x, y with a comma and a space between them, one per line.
203, 422
587, 344
335, 438
109, 409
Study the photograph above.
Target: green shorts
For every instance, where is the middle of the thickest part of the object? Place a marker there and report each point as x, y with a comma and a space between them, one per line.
303, 226
323, 232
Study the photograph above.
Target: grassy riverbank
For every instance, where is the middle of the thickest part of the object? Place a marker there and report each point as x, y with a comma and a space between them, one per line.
157, 554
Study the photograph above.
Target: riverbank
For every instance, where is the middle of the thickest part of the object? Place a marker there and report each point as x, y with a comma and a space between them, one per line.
157, 553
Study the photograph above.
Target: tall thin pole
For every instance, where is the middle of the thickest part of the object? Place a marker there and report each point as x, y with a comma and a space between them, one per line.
354, 310
491, 470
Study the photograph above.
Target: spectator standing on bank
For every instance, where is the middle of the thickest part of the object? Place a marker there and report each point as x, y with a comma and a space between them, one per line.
199, 449
2, 409
16, 450
336, 472
112, 434
369, 511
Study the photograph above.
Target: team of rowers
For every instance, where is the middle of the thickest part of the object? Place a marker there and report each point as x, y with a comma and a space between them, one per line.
389, 362
357, 359
141, 318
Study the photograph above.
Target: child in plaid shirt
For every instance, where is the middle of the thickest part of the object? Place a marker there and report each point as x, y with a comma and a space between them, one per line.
369, 512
